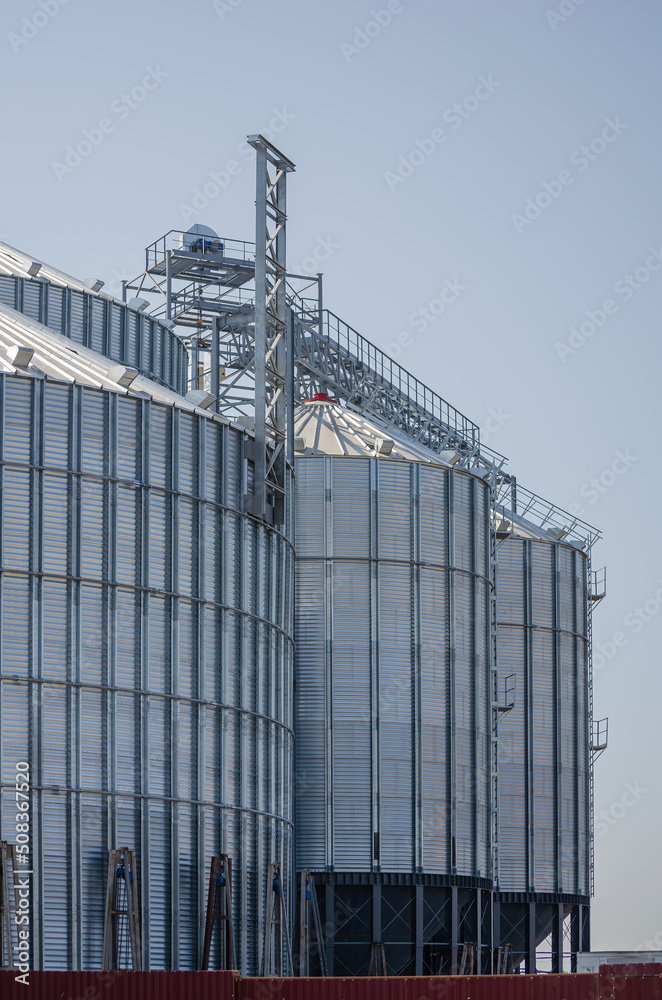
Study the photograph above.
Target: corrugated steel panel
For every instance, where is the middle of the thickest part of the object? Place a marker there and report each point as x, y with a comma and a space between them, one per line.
141, 609
634, 982
547, 987
120, 986
543, 741
96, 322
376, 582
227, 986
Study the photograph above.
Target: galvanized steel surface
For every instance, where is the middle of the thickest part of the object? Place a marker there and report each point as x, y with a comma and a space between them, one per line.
146, 666
102, 324
392, 668
544, 741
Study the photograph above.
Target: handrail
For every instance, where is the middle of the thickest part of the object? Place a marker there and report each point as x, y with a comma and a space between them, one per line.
391, 374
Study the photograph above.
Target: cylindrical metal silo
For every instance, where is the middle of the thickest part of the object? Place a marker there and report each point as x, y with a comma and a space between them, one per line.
99, 322
393, 695
147, 661
544, 769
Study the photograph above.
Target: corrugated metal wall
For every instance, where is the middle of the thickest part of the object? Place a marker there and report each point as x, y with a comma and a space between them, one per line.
425, 988
544, 741
106, 326
612, 982
392, 672
147, 666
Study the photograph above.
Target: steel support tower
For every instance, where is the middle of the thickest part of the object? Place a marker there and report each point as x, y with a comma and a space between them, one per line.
271, 354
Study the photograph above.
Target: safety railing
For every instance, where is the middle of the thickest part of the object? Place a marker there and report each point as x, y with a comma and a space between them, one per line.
512, 498
181, 242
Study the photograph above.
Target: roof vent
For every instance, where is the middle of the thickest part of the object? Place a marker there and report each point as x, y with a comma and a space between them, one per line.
200, 398
299, 444
94, 284
20, 357
122, 375
34, 268
384, 446
139, 304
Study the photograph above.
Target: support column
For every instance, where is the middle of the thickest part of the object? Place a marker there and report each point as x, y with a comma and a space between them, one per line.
215, 381
376, 913
575, 936
454, 931
330, 926
531, 939
271, 331
586, 928
496, 930
418, 931
557, 939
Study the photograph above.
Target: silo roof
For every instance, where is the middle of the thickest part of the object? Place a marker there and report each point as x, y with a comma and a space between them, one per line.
16, 262
324, 427
55, 356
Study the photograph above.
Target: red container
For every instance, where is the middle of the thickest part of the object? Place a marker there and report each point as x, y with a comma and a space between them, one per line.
119, 986
547, 987
633, 982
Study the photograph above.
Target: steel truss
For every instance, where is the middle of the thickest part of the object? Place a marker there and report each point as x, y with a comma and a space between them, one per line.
270, 329
332, 357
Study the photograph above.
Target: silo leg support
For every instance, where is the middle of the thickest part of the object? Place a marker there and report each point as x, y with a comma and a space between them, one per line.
531, 940
7, 890
310, 923
121, 932
219, 908
557, 939
454, 930
276, 928
377, 965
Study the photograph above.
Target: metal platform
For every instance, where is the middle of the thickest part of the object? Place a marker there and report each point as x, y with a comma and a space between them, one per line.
217, 302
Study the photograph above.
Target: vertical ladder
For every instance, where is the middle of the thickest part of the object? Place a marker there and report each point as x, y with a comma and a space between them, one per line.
7, 890
219, 908
377, 959
309, 924
494, 677
589, 724
276, 930
121, 932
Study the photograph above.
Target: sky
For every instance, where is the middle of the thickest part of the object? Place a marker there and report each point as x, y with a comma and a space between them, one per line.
506, 152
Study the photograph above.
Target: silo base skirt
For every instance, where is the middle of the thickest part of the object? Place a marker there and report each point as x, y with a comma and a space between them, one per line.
423, 925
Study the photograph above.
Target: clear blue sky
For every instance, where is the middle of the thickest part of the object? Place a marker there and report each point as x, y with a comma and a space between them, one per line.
352, 99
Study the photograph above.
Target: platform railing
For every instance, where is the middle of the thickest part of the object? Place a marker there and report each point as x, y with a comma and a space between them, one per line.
179, 241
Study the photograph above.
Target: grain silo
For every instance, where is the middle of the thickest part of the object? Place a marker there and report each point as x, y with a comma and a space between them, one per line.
543, 613
443, 776
147, 648
393, 694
